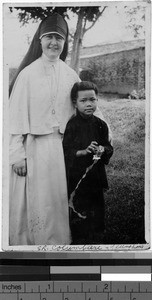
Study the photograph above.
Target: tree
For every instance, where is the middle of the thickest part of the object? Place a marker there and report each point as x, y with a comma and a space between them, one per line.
90, 14
86, 19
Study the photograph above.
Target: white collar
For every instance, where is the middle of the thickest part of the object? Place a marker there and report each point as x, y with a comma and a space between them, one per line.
47, 62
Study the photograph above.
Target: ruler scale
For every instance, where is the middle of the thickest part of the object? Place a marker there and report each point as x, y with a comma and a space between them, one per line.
71, 290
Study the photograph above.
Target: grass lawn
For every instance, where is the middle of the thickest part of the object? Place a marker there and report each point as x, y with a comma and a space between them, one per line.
124, 201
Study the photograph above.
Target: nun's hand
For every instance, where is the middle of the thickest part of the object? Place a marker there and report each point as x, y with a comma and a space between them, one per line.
20, 168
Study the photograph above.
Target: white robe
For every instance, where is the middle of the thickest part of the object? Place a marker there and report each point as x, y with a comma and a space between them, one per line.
38, 202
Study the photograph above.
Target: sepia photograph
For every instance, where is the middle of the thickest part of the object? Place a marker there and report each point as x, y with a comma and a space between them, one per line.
76, 126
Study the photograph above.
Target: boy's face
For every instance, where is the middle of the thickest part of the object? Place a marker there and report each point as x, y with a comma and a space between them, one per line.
86, 102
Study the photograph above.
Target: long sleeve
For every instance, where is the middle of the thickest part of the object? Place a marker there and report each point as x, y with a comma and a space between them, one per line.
99, 114
16, 150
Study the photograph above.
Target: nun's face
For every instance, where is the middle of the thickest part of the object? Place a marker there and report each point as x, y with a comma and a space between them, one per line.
52, 45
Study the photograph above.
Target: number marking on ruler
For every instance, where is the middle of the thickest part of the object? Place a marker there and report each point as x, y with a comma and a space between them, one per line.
73, 290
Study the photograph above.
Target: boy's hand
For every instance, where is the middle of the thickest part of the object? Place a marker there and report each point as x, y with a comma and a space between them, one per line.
92, 148
20, 168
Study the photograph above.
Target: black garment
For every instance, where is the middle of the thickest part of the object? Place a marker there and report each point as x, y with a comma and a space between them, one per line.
89, 199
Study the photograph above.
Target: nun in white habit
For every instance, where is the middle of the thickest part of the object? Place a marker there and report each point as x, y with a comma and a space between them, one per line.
40, 107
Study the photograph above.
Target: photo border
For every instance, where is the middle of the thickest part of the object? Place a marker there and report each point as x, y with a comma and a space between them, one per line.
96, 249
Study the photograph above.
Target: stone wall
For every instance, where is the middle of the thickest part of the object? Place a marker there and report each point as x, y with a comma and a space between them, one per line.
112, 47
119, 72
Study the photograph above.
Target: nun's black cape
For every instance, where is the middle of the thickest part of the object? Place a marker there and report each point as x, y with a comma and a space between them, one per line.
88, 199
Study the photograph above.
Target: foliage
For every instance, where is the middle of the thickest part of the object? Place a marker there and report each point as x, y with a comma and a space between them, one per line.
87, 75
136, 19
92, 73
37, 13
25, 14
140, 94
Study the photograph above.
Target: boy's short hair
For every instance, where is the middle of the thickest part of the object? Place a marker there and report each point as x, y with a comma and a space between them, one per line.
82, 86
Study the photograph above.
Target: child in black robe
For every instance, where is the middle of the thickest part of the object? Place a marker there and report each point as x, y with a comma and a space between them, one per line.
87, 149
